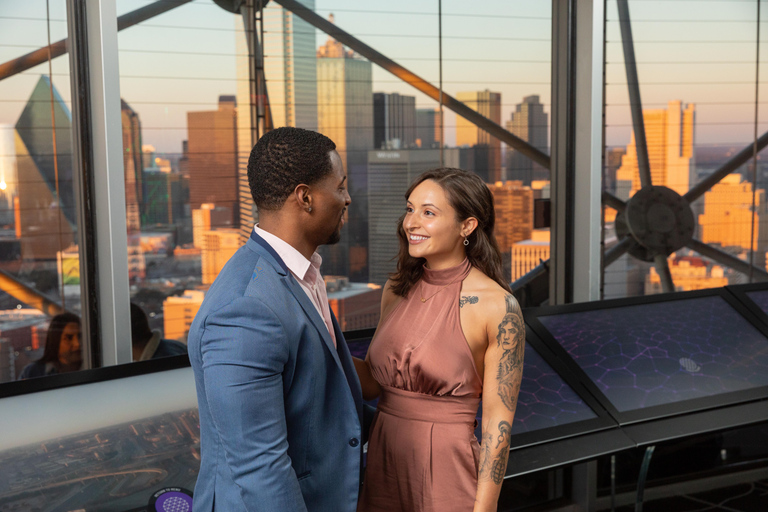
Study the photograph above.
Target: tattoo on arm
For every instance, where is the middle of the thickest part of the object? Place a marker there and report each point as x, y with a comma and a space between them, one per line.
469, 299
511, 339
494, 467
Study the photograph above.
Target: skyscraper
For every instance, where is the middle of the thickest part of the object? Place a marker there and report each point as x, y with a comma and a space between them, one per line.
468, 134
345, 115
394, 121
46, 200
513, 205
290, 70
133, 165
728, 218
290, 67
428, 127
530, 123
8, 178
212, 153
218, 246
669, 135
390, 173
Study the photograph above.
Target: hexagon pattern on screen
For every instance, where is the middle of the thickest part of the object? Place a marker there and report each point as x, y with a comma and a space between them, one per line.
545, 400
652, 354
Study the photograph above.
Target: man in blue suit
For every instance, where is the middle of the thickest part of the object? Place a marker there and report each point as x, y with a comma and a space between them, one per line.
280, 402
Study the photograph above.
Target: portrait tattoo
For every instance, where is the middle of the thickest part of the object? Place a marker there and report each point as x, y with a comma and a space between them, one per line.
469, 299
511, 339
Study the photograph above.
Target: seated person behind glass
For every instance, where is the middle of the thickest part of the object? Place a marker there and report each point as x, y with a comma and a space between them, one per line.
62, 349
147, 344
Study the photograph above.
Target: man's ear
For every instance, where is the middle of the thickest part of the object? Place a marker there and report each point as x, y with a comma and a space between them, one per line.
303, 196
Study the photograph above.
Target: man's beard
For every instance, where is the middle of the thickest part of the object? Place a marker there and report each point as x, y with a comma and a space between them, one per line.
334, 238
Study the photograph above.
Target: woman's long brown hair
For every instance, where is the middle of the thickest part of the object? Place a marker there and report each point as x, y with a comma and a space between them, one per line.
470, 197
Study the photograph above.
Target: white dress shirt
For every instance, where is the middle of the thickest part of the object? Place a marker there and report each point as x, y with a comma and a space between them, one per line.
306, 272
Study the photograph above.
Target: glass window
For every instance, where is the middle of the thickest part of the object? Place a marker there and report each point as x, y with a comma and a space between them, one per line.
40, 294
188, 131
697, 87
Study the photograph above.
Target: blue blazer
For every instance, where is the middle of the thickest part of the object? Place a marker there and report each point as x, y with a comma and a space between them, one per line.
280, 406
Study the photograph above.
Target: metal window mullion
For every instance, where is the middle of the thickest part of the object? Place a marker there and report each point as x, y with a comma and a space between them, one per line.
561, 169
587, 68
110, 289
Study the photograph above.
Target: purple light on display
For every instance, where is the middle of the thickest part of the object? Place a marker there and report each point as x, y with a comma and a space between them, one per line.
760, 298
545, 400
652, 354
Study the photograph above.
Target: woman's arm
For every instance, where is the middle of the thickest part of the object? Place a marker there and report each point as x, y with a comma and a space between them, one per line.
371, 388
503, 374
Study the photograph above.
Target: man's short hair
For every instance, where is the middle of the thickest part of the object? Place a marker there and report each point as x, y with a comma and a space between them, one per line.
284, 158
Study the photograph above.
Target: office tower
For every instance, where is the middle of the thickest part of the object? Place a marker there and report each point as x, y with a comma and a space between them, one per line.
728, 218
688, 273
394, 121
528, 254
290, 67
513, 204
669, 137
8, 179
428, 127
133, 165
212, 154
488, 104
164, 201
530, 123
178, 313
217, 247
206, 218
290, 71
389, 175
45, 209
345, 115
134, 189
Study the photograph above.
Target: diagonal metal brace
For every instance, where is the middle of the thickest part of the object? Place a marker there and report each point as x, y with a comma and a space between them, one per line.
727, 260
416, 81
59, 48
727, 168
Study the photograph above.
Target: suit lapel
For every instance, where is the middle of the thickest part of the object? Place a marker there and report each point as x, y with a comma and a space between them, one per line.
301, 296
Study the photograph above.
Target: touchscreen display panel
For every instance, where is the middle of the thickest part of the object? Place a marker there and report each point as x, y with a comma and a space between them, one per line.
652, 354
545, 399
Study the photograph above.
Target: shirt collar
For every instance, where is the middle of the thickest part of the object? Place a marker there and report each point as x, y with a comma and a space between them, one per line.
293, 259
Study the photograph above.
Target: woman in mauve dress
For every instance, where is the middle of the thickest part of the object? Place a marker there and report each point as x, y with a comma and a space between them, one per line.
450, 334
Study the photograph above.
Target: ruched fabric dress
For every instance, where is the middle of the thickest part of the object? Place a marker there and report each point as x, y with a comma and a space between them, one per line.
422, 451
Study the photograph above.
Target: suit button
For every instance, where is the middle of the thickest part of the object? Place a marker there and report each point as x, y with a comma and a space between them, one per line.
353, 442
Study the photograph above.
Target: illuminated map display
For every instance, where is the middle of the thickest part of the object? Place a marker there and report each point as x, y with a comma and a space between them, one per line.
645, 355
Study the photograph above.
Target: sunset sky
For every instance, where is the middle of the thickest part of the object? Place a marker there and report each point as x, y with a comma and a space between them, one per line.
695, 51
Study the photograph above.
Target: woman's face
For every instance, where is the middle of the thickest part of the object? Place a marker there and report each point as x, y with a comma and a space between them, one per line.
430, 224
70, 355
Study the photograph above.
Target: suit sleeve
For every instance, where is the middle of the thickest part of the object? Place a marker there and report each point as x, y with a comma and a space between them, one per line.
244, 351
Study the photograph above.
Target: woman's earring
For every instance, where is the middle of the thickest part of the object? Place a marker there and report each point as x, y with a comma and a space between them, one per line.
466, 241
309, 210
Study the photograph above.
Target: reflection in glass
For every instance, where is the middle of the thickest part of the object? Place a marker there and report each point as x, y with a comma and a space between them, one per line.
39, 251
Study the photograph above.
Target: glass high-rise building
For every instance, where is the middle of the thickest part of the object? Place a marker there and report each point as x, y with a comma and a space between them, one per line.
345, 115
530, 123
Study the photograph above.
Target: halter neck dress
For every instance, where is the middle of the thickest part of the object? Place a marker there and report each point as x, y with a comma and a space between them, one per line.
422, 451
